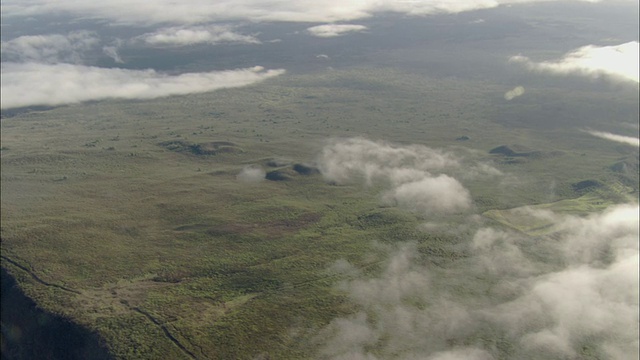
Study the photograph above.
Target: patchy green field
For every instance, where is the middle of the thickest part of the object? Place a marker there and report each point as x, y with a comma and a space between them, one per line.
128, 217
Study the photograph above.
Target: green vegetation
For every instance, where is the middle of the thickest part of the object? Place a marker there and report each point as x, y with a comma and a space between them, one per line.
597, 199
127, 218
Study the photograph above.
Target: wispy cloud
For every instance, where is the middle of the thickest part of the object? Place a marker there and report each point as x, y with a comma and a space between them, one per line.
352, 159
504, 300
212, 34
592, 299
618, 138
619, 62
413, 174
514, 93
533, 297
440, 194
51, 48
112, 52
55, 84
333, 30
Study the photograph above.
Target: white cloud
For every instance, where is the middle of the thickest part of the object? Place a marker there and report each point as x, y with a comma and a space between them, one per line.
112, 52
52, 48
44, 84
333, 30
251, 174
347, 160
349, 337
618, 138
497, 253
618, 62
514, 297
205, 11
462, 354
430, 195
212, 34
514, 93
400, 317
413, 173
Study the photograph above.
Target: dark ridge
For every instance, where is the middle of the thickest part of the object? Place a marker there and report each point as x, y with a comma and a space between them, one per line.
513, 151
380, 219
305, 169
502, 150
517, 151
620, 167
586, 185
202, 149
277, 175
278, 162
629, 165
175, 145
213, 148
463, 138
29, 332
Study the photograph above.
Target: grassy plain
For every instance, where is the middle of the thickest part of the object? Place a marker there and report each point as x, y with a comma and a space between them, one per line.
165, 254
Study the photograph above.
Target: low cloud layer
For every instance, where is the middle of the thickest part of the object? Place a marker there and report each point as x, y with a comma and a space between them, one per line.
412, 174
204, 11
619, 62
573, 295
333, 30
618, 138
53, 48
55, 84
514, 93
180, 36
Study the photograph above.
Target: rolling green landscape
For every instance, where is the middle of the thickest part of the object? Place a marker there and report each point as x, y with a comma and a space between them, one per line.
370, 180
128, 218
